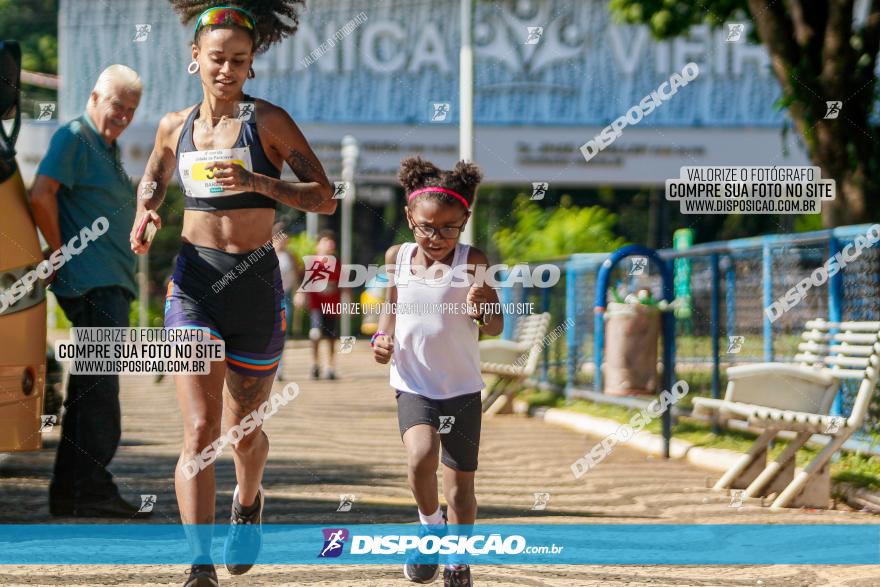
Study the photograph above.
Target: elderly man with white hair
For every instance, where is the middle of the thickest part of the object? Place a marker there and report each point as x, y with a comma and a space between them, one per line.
81, 184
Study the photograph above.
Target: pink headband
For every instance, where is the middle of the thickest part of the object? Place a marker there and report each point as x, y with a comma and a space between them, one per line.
436, 189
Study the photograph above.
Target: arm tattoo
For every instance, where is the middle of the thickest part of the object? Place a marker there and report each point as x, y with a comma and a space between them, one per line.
309, 198
303, 168
156, 171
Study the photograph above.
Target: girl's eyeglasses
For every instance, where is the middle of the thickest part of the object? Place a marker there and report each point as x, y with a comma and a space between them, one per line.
225, 15
425, 231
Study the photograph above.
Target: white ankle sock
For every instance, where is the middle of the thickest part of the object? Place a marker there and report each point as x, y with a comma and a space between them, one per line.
435, 519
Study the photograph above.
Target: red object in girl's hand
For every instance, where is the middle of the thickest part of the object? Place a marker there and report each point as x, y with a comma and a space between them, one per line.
146, 230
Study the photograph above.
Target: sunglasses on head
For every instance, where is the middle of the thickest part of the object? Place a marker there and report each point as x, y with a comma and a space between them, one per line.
225, 15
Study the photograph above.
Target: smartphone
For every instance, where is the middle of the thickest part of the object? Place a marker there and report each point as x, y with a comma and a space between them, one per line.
146, 231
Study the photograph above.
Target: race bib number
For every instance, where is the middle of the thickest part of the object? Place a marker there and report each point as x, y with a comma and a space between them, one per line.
197, 173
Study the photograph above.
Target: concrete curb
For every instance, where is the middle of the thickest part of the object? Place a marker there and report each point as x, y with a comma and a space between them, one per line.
857, 497
713, 459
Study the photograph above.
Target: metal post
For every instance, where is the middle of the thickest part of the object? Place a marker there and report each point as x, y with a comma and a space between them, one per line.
714, 329
545, 307
598, 344
349, 164
572, 340
505, 298
668, 323
466, 99
835, 309
312, 225
767, 281
730, 294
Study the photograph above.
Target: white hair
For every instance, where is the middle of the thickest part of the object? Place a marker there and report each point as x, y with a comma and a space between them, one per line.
118, 75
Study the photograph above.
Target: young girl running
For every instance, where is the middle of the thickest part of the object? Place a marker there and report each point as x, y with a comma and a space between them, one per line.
435, 363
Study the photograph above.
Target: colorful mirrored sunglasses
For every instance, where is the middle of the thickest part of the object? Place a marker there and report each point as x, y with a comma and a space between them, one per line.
225, 15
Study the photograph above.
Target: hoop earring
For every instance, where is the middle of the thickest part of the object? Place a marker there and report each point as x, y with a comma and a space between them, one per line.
193, 67
251, 73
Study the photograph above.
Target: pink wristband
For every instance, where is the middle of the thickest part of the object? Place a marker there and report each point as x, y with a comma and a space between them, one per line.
377, 334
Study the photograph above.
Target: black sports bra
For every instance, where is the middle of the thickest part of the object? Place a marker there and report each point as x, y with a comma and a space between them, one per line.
249, 138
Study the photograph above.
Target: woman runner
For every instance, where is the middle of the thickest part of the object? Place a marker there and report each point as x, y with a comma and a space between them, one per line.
228, 160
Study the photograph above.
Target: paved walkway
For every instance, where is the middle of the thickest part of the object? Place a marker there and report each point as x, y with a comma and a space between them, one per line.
340, 437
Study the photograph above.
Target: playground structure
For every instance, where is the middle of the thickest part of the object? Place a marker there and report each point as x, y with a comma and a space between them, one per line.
724, 323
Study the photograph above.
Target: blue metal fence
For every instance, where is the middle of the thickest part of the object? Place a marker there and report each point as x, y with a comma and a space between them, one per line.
731, 284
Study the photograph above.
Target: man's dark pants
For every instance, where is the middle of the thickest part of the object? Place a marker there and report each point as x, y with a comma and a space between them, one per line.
91, 426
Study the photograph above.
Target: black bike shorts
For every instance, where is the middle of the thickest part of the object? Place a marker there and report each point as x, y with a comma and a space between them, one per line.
457, 420
237, 297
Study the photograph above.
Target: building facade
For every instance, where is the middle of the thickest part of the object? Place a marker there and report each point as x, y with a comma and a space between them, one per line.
550, 74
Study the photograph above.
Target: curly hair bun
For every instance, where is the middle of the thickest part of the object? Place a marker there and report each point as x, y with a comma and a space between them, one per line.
468, 174
415, 172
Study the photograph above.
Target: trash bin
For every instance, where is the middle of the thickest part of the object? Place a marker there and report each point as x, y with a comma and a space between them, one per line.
631, 334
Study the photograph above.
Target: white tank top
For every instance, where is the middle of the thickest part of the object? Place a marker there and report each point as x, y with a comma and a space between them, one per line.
435, 355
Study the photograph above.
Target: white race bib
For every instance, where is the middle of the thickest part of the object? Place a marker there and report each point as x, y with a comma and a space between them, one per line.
198, 177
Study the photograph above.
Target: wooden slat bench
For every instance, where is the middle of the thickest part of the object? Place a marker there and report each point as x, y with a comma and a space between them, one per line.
780, 396
512, 361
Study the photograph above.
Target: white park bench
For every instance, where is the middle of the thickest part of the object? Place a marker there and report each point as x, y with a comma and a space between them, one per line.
775, 396
512, 361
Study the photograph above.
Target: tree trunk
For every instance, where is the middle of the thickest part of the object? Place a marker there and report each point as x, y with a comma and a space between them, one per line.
846, 158
812, 55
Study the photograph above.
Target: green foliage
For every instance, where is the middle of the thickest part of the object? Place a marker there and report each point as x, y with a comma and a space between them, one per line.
538, 233
155, 312
671, 18
300, 244
34, 24
808, 223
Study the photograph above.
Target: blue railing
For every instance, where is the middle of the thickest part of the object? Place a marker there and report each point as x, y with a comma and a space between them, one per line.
731, 284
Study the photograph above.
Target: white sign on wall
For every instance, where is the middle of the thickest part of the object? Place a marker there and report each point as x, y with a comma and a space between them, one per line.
640, 157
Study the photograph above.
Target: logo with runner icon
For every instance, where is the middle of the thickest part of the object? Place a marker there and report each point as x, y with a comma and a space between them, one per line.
446, 423
334, 540
47, 422
318, 268
346, 501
